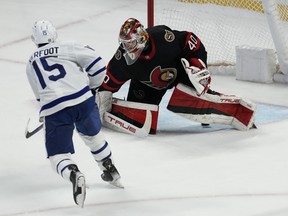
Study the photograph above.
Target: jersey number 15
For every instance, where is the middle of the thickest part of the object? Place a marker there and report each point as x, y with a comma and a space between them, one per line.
48, 68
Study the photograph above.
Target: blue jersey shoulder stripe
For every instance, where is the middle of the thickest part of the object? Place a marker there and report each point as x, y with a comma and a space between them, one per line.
98, 72
93, 63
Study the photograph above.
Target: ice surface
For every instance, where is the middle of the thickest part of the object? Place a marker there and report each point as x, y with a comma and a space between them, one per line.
184, 170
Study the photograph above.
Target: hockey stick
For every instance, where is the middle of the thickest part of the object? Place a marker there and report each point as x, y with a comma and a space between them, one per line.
112, 122
119, 124
31, 133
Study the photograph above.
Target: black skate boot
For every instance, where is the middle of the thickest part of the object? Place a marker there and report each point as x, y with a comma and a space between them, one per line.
110, 174
79, 186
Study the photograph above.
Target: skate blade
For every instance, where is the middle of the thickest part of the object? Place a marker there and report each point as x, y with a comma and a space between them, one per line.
117, 183
81, 197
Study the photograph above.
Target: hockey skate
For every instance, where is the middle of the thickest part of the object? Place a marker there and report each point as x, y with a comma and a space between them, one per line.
79, 186
110, 174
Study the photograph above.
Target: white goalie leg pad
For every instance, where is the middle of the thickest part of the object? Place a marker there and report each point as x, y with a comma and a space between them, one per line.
212, 108
118, 124
99, 148
132, 117
243, 106
103, 100
60, 163
238, 124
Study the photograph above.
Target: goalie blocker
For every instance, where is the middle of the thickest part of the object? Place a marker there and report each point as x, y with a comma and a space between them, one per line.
212, 108
135, 113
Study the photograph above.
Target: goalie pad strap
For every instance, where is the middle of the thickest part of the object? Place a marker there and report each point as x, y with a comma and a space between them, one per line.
210, 108
135, 113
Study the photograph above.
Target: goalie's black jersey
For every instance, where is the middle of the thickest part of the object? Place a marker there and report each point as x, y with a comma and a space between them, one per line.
159, 66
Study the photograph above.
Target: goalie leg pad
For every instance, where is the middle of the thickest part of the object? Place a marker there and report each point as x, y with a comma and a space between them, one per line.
135, 113
103, 100
212, 108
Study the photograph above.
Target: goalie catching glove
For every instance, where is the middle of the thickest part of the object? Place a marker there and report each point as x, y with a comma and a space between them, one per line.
199, 75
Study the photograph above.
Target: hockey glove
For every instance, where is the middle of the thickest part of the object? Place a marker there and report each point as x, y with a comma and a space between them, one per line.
104, 102
199, 77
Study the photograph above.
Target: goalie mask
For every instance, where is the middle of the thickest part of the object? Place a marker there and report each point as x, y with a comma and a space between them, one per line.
132, 38
43, 32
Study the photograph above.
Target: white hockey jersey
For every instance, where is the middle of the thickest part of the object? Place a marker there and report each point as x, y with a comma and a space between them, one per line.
61, 74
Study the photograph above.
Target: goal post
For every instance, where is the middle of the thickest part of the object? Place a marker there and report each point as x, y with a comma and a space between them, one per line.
223, 25
277, 17
150, 13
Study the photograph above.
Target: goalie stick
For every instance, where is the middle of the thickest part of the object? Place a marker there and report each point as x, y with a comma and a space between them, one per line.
119, 124
31, 133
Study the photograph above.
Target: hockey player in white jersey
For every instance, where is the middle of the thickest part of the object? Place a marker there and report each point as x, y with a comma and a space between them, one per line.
62, 75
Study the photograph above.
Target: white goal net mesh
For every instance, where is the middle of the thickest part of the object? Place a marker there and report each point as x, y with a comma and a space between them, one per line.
223, 24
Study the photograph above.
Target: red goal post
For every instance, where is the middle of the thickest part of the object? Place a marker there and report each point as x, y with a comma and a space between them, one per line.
150, 13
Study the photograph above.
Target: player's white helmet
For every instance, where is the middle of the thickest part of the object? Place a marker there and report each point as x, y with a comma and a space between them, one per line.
43, 32
132, 38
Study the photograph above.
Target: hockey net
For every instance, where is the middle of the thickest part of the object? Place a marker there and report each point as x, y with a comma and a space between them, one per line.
224, 24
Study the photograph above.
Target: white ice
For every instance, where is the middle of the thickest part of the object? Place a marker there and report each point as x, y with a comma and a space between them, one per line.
184, 170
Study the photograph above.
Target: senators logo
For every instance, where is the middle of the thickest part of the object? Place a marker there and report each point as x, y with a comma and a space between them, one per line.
161, 78
169, 36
